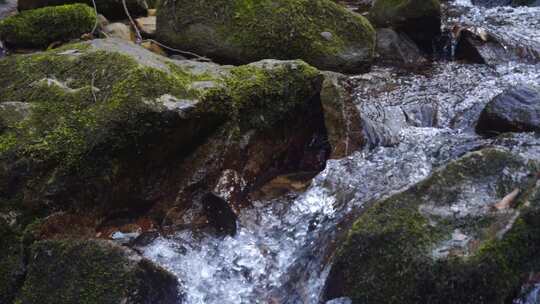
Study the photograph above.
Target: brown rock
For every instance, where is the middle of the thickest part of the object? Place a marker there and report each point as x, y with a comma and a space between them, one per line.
147, 25
118, 30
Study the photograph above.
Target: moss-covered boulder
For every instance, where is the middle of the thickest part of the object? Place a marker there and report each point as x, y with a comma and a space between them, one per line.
113, 9
320, 32
92, 271
104, 126
40, 27
468, 234
419, 19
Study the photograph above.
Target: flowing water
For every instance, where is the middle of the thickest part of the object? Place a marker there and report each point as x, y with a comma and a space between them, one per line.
414, 123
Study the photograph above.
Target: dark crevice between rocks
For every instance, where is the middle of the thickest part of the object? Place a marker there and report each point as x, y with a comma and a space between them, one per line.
219, 214
423, 31
307, 151
467, 49
224, 176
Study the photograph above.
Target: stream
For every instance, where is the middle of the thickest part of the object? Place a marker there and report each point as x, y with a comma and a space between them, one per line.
414, 124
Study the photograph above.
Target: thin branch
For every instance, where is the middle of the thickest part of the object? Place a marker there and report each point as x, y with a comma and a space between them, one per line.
97, 18
138, 33
201, 58
92, 86
139, 39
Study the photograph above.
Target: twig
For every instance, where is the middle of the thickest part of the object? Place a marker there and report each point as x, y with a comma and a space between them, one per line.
201, 58
92, 86
139, 37
97, 18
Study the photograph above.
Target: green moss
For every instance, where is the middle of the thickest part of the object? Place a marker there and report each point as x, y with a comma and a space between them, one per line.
40, 27
78, 101
92, 271
297, 25
246, 30
257, 97
97, 117
70, 271
388, 254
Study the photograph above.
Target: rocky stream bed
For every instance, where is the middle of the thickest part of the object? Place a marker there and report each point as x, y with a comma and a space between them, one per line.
214, 159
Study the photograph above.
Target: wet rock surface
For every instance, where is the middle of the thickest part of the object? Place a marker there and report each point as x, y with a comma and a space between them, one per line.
498, 34
515, 110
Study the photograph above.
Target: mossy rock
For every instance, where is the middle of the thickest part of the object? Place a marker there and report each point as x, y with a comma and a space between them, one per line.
41, 27
105, 112
442, 241
320, 32
113, 9
12, 268
106, 92
92, 271
260, 95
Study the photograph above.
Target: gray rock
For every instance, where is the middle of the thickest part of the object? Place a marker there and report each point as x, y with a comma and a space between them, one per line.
147, 25
118, 30
393, 47
327, 35
516, 110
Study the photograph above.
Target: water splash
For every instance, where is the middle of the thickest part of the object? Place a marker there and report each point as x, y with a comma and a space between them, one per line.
415, 123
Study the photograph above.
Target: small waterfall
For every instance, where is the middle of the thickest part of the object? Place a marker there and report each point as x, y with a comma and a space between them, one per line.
417, 122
